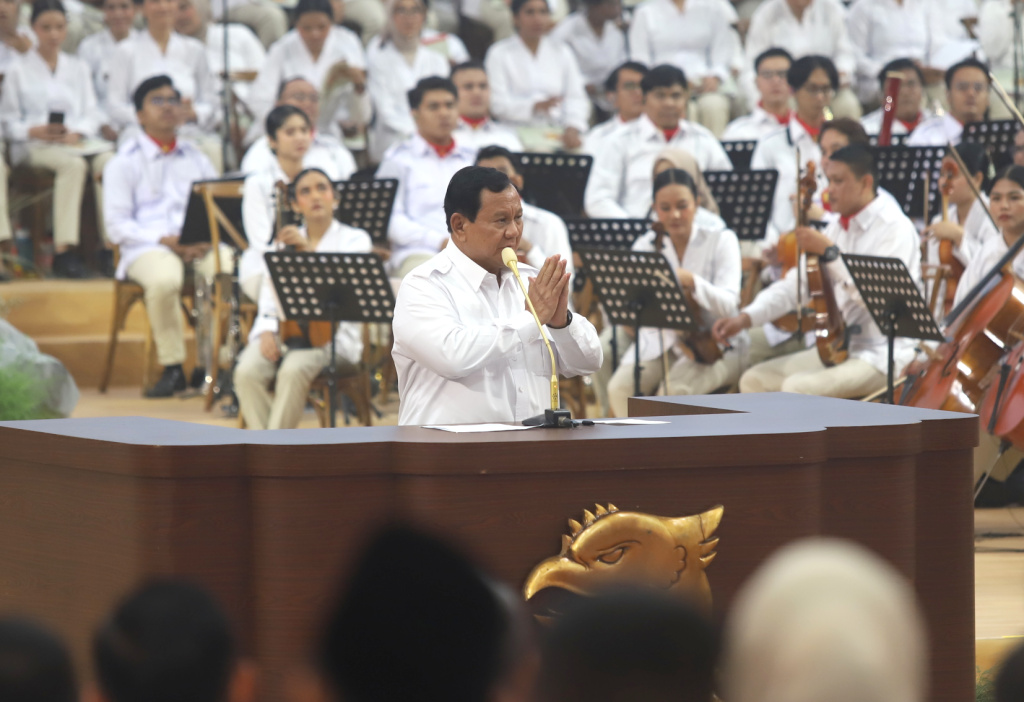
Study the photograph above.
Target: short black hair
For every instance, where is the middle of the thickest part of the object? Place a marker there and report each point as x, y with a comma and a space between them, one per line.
467, 66
631, 645
673, 176
900, 65
517, 5
293, 186
977, 160
149, 85
465, 189
663, 76
494, 151
425, 85
774, 52
1013, 173
611, 83
168, 641
860, 158
294, 79
969, 62
849, 127
34, 664
800, 71
305, 7
41, 6
416, 622
281, 114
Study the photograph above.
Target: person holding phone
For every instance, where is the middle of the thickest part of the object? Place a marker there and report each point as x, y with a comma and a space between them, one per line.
47, 107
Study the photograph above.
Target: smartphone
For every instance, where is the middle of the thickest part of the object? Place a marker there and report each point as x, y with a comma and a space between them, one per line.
56, 118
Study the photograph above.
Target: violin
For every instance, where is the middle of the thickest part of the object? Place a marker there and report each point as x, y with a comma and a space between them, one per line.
829, 327
789, 250
294, 334
956, 269
700, 343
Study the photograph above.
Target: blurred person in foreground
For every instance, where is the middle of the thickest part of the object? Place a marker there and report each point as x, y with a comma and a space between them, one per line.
825, 619
34, 664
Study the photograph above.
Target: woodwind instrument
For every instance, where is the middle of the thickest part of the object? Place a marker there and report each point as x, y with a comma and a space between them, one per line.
890, 101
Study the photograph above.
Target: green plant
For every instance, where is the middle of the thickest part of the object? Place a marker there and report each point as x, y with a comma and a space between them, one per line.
19, 398
985, 688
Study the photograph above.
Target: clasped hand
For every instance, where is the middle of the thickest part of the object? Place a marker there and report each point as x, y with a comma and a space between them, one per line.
549, 292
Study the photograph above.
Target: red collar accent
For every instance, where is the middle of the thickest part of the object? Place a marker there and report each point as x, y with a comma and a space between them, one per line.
781, 119
669, 133
474, 122
164, 148
911, 125
442, 151
813, 131
844, 220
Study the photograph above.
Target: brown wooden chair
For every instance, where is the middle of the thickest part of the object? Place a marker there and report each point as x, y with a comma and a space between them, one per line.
126, 294
357, 386
751, 268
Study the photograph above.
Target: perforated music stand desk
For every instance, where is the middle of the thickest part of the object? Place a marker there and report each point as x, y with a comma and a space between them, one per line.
901, 171
894, 301
226, 195
745, 200
894, 140
331, 287
997, 137
367, 204
638, 289
555, 182
740, 152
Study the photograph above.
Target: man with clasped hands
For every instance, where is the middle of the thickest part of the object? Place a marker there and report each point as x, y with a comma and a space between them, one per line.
467, 348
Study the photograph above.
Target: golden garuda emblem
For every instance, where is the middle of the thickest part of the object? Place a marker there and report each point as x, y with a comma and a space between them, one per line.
612, 549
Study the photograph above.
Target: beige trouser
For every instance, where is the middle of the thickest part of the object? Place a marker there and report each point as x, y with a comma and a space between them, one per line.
604, 374
497, 15
265, 18
685, 377
5, 215
282, 408
370, 15
161, 274
846, 104
69, 170
99, 162
804, 373
761, 350
711, 110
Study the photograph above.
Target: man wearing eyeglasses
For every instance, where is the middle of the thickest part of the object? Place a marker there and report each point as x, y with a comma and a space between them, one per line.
908, 101
624, 93
967, 91
772, 110
148, 184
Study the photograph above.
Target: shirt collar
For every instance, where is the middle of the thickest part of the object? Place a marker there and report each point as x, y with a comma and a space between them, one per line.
150, 149
867, 214
425, 148
469, 269
649, 130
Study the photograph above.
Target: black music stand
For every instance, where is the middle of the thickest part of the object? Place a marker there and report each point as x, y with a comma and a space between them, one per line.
901, 171
331, 287
554, 182
895, 303
196, 228
894, 140
745, 200
740, 153
367, 204
996, 136
639, 289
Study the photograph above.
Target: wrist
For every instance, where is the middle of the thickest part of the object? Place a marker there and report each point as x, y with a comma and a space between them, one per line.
566, 322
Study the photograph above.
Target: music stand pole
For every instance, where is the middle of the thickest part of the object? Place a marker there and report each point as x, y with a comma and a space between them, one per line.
890, 332
638, 307
332, 369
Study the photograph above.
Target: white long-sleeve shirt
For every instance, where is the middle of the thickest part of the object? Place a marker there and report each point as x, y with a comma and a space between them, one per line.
487, 133
936, 131
339, 238
883, 30
713, 257
698, 40
872, 122
139, 57
548, 235
245, 53
978, 229
324, 149
146, 192
97, 50
31, 91
778, 151
620, 178
880, 229
418, 223
519, 80
758, 124
993, 249
597, 56
467, 350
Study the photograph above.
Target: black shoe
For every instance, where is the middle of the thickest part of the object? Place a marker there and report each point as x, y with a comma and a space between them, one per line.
198, 378
68, 265
171, 381
105, 263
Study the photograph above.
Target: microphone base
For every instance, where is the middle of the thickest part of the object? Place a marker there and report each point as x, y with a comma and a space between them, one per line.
555, 419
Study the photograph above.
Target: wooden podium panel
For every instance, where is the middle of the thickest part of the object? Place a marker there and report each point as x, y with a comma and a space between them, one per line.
270, 520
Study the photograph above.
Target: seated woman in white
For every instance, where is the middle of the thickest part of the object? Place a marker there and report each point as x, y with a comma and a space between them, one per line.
706, 262
48, 107
398, 60
294, 362
289, 133
328, 56
536, 83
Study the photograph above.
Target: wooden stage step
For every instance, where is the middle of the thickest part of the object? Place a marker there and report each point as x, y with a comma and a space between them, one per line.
70, 320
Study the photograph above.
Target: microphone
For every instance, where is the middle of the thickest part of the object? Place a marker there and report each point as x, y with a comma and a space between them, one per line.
553, 417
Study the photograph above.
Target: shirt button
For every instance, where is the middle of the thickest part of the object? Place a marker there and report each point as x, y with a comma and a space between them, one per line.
520, 389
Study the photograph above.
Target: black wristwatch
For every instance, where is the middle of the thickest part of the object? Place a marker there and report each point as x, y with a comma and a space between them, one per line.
831, 254
568, 320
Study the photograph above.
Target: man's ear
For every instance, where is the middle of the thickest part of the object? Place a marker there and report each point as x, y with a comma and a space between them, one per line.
243, 684
458, 223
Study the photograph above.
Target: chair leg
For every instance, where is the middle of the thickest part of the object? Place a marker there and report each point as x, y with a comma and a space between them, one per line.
219, 309
115, 328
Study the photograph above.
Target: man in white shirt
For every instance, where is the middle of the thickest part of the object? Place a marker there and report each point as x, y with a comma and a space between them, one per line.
467, 349
300, 93
148, 185
596, 39
476, 128
868, 224
625, 96
544, 233
908, 101
423, 165
97, 50
622, 173
967, 90
771, 68
805, 28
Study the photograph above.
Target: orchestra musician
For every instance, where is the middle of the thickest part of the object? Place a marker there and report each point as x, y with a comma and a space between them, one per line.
867, 224
706, 261
291, 365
